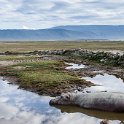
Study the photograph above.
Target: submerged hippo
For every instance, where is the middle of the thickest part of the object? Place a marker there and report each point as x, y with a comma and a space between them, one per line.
99, 100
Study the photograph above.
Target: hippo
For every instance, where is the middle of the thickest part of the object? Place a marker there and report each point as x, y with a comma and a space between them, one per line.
106, 101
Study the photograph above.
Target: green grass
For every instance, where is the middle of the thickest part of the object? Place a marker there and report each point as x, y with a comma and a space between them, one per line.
52, 45
45, 77
41, 75
47, 71
15, 57
41, 64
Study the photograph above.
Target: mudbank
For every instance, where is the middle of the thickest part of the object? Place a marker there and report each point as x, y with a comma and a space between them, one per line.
100, 100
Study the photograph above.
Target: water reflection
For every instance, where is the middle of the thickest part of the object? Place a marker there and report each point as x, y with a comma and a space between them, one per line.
74, 66
106, 82
23, 107
92, 113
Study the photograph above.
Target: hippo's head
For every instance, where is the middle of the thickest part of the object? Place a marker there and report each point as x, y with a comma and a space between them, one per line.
64, 99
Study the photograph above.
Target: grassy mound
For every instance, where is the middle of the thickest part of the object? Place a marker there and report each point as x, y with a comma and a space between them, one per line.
45, 77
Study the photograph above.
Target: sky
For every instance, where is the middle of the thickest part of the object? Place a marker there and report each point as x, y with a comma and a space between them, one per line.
39, 14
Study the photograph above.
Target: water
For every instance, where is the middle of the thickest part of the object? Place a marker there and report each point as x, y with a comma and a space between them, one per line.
74, 66
23, 107
105, 82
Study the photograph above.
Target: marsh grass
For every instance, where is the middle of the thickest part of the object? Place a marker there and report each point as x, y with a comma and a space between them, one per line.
47, 77
41, 64
15, 57
41, 75
52, 45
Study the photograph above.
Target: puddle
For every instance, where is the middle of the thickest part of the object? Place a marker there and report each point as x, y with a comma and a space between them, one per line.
74, 66
105, 82
23, 107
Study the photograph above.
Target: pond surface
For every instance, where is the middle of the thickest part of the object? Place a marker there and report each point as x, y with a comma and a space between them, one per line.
74, 66
23, 107
105, 82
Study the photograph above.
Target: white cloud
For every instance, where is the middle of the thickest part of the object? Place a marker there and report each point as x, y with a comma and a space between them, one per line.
25, 27
44, 14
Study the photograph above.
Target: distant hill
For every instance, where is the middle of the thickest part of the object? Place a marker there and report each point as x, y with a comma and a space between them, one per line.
98, 31
72, 32
42, 34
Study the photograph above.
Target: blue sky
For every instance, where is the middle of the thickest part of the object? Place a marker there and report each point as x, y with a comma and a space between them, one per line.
37, 14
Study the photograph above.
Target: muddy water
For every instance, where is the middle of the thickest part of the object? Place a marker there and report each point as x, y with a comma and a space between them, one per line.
105, 82
23, 107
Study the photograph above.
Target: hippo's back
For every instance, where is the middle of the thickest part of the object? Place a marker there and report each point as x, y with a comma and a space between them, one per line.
102, 101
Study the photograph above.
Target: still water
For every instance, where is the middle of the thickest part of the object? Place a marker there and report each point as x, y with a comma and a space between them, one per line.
105, 82
23, 107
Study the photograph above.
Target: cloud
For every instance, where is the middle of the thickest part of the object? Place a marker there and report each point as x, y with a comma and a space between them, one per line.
43, 14
25, 27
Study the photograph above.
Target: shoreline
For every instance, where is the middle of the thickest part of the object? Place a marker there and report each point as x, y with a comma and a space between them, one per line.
92, 70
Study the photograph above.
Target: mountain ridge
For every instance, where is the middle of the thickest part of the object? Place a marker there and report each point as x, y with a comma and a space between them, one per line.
68, 32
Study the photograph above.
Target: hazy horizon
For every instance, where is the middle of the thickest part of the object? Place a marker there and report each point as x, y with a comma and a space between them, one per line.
55, 26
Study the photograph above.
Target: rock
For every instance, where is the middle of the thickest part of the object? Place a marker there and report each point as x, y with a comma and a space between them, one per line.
122, 122
104, 121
